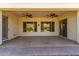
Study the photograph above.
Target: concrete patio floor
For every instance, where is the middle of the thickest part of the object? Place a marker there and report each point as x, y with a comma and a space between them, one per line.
38, 46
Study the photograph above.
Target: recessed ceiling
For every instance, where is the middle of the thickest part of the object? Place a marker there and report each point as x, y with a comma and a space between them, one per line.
40, 13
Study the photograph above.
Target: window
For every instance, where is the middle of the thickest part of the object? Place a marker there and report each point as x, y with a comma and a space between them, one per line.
29, 26
47, 26
32, 26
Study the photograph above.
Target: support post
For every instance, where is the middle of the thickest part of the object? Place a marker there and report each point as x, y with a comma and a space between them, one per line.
77, 26
0, 27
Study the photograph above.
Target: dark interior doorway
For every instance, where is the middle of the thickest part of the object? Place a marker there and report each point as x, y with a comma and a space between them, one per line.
4, 28
63, 27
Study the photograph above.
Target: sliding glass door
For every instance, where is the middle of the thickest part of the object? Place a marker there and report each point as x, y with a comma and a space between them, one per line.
4, 28
63, 27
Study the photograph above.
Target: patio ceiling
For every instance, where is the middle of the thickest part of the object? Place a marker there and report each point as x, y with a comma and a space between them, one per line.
40, 13
39, 9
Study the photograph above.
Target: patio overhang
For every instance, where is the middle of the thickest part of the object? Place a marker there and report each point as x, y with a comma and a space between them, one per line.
39, 9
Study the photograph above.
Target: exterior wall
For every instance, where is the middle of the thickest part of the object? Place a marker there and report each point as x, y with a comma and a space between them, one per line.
77, 26
12, 25
15, 25
0, 27
38, 33
71, 25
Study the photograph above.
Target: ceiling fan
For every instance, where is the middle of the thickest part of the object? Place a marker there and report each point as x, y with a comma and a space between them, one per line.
52, 15
27, 15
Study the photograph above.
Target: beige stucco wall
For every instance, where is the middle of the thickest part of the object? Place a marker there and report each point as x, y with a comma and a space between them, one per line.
38, 20
77, 26
71, 25
0, 27
12, 24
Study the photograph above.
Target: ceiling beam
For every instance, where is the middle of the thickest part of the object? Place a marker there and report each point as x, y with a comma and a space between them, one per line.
39, 9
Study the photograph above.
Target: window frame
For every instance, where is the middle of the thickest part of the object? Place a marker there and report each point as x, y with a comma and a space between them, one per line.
25, 26
52, 26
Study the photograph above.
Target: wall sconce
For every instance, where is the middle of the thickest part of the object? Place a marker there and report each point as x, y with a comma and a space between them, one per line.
38, 24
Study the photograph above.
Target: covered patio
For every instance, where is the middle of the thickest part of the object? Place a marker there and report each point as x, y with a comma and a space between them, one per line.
39, 31
39, 23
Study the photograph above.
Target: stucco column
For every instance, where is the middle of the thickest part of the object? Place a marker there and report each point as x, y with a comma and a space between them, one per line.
0, 27
77, 26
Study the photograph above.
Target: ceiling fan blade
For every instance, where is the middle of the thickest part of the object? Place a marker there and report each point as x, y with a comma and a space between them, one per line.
55, 15
47, 16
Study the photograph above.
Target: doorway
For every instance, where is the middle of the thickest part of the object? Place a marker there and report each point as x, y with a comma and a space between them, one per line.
63, 28
4, 28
